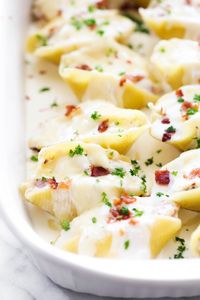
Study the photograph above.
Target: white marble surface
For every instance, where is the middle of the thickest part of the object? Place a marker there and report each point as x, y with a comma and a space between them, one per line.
21, 280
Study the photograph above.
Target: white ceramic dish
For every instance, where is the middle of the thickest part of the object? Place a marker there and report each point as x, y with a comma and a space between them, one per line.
82, 274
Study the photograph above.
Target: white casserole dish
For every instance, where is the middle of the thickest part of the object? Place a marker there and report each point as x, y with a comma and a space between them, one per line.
156, 278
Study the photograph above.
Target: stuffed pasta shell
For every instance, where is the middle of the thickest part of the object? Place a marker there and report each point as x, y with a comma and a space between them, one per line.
64, 35
129, 227
176, 62
170, 19
92, 122
71, 177
180, 180
113, 72
176, 118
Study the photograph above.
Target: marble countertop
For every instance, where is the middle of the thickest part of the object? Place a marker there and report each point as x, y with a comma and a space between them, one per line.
21, 280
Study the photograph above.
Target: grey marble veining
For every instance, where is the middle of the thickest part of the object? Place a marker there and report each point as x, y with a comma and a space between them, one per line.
21, 280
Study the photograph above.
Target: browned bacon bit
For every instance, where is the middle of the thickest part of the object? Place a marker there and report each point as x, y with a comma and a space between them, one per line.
188, 2
162, 177
59, 13
127, 199
70, 109
186, 104
35, 149
133, 78
119, 213
133, 221
194, 173
42, 72
166, 136
103, 126
53, 183
103, 4
165, 121
122, 81
179, 93
99, 171
84, 67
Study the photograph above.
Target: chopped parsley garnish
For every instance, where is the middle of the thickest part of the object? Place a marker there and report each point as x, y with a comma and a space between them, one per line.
158, 151
122, 73
94, 220
43, 40
90, 22
159, 165
119, 172
95, 115
196, 97
175, 173
54, 104
159, 194
100, 32
86, 172
44, 89
198, 143
162, 49
99, 69
77, 151
140, 27
138, 213
143, 184
124, 211
180, 100
105, 199
149, 161
91, 8
34, 158
126, 244
192, 111
171, 129
65, 225
136, 168
181, 248
76, 23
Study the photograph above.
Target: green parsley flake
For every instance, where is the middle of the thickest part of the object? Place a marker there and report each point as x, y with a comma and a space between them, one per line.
171, 129
175, 173
34, 158
149, 161
196, 97
100, 32
162, 49
158, 151
54, 104
198, 143
180, 100
77, 151
43, 40
192, 111
91, 8
90, 22
124, 211
99, 69
181, 248
126, 244
94, 220
159, 165
76, 23
159, 194
136, 168
138, 213
105, 199
143, 184
95, 115
44, 89
65, 225
119, 172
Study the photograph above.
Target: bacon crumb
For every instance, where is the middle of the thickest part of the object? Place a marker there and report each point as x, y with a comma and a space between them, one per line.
194, 173
42, 72
103, 4
70, 109
84, 67
133, 221
132, 78
64, 185
99, 171
165, 121
166, 136
179, 93
53, 183
162, 177
103, 126
127, 199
